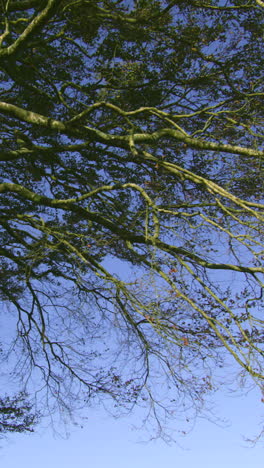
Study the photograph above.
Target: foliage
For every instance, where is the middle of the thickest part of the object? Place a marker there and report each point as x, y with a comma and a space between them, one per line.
16, 414
131, 136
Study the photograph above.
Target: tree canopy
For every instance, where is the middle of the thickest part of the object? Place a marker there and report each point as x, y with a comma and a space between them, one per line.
131, 199
16, 414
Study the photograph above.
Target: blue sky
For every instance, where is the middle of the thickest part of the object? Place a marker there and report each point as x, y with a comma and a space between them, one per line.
106, 442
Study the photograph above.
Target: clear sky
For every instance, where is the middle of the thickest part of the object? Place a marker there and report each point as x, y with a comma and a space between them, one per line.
108, 443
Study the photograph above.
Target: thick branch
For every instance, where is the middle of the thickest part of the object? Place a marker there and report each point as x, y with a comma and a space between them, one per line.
126, 236
122, 141
36, 24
